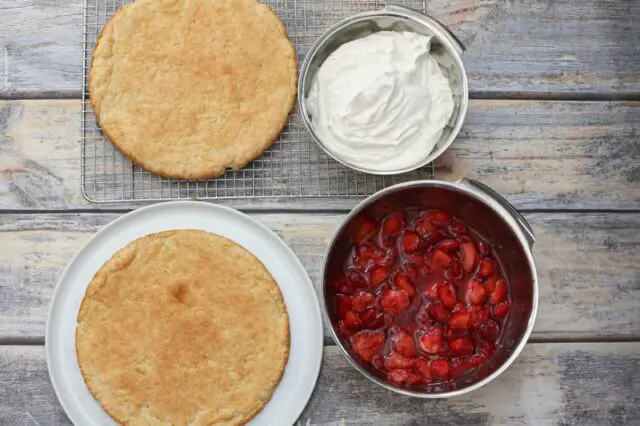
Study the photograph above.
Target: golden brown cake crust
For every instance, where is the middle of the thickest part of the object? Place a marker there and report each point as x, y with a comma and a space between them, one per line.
188, 88
182, 328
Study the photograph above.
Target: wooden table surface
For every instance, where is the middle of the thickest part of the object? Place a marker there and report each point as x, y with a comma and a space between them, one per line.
552, 125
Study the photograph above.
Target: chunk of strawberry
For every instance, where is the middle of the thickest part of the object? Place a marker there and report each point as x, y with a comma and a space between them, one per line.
424, 369
461, 347
410, 241
439, 217
452, 334
403, 343
412, 270
469, 254
487, 350
484, 248
367, 253
377, 274
378, 363
369, 318
393, 301
352, 321
490, 283
424, 227
395, 361
362, 300
423, 317
343, 286
342, 305
447, 294
478, 315
432, 239
402, 282
392, 224
487, 268
366, 228
455, 270
355, 278
368, 343
449, 245
459, 366
409, 377
489, 331
499, 293
430, 341
501, 309
439, 312
459, 319
431, 291
441, 368
439, 260
475, 293
419, 261
458, 228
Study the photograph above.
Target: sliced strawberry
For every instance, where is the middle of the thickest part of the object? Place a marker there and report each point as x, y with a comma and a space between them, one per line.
403, 343
419, 261
490, 283
342, 305
501, 309
487, 268
489, 331
452, 334
475, 293
447, 294
459, 366
475, 360
484, 248
458, 228
355, 278
424, 227
459, 320
432, 291
367, 253
366, 228
402, 282
412, 270
343, 286
424, 369
392, 224
410, 241
352, 320
432, 239
395, 361
431, 340
394, 301
500, 292
455, 270
487, 350
368, 343
439, 260
469, 254
409, 377
478, 315
378, 363
439, 312
441, 368
461, 347
362, 300
377, 274
369, 318
449, 245
438, 217
423, 317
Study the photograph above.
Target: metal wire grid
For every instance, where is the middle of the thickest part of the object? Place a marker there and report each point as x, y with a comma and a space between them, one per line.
294, 167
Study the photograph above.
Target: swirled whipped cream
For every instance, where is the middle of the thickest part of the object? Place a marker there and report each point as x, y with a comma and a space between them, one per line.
381, 102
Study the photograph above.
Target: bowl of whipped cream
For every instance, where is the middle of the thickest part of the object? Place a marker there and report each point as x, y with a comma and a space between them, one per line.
384, 92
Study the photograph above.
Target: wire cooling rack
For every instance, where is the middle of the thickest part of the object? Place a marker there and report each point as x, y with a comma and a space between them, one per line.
294, 167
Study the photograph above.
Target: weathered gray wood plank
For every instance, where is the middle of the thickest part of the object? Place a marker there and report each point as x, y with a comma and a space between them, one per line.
587, 264
564, 384
513, 47
540, 154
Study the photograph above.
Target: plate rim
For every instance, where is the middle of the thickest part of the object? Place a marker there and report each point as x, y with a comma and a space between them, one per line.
317, 365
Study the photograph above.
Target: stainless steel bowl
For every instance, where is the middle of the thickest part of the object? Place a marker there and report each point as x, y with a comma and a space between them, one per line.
497, 221
445, 49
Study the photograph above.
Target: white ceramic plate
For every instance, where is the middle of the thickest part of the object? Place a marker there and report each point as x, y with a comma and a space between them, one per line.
305, 319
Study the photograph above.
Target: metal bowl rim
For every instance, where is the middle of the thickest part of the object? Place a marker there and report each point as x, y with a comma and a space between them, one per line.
479, 196
320, 42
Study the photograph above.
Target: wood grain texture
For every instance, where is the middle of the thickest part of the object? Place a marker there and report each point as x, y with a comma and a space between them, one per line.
560, 384
512, 46
539, 154
587, 265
